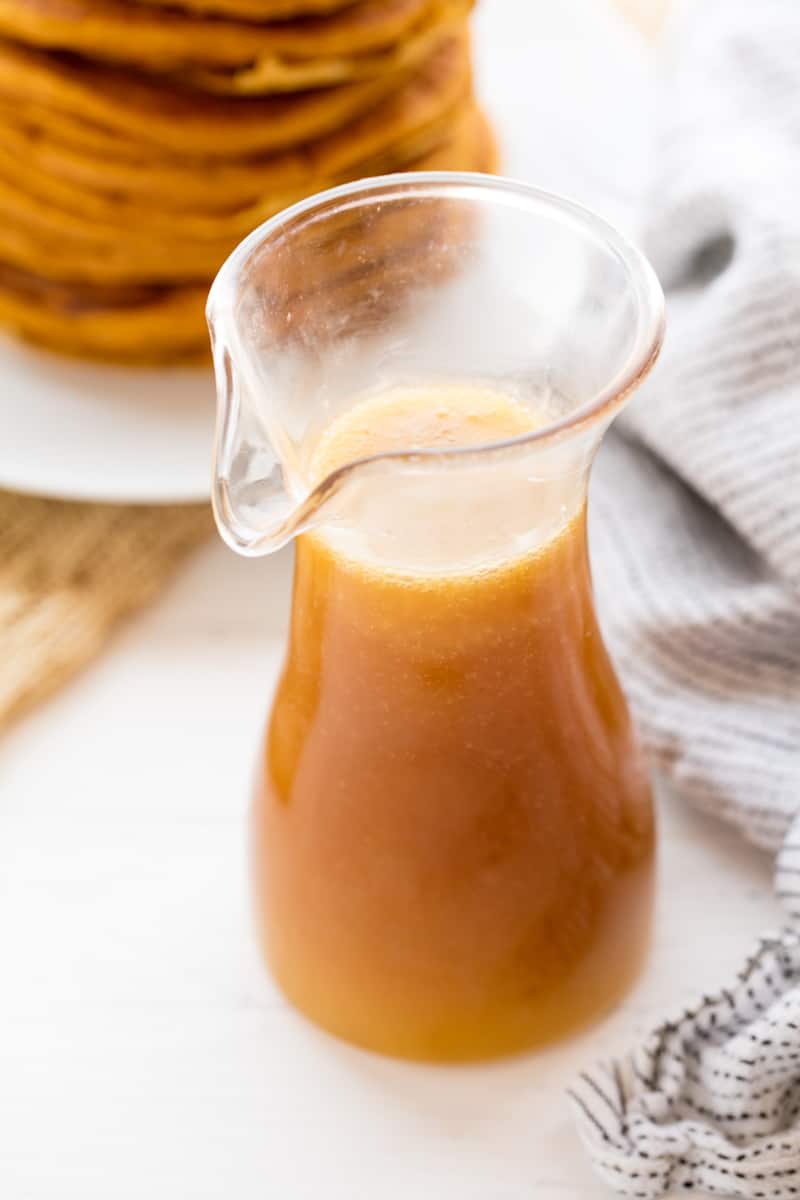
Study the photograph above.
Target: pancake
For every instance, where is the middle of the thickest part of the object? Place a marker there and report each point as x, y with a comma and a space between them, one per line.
162, 324
273, 75
129, 32
254, 10
147, 325
411, 247
126, 104
214, 54
104, 241
402, 126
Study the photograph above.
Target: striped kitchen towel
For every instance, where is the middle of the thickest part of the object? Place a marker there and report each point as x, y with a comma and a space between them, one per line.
696, 540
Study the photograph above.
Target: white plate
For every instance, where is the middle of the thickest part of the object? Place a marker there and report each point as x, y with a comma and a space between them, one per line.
87, 431
568, 89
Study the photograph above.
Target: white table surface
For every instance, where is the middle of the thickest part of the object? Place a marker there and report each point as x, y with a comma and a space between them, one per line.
144, 1053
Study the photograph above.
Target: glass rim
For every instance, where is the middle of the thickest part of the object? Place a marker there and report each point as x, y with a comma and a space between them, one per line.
645, 287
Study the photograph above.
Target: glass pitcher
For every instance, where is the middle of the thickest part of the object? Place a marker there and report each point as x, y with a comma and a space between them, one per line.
453, 836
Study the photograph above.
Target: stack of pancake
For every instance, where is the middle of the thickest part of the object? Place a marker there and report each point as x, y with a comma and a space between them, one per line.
140, 140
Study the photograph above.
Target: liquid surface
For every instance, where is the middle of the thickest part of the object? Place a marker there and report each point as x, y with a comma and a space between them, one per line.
459, 516
402, 420
453, 833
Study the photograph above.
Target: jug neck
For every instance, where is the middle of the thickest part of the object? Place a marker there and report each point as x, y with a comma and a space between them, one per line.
420, 518
419, 512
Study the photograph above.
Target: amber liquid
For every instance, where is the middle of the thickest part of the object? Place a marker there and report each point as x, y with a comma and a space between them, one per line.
453, 832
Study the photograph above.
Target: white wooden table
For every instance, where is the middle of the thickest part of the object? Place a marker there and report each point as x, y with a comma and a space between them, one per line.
144, 1053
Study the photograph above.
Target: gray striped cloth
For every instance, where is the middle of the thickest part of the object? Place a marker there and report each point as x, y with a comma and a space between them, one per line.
696, 541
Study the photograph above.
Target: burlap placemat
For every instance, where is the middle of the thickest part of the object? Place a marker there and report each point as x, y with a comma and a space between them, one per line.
68, 574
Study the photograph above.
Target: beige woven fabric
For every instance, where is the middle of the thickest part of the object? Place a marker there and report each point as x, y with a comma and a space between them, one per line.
68, 574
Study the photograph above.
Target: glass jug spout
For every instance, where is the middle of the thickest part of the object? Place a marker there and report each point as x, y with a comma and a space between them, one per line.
256, 508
